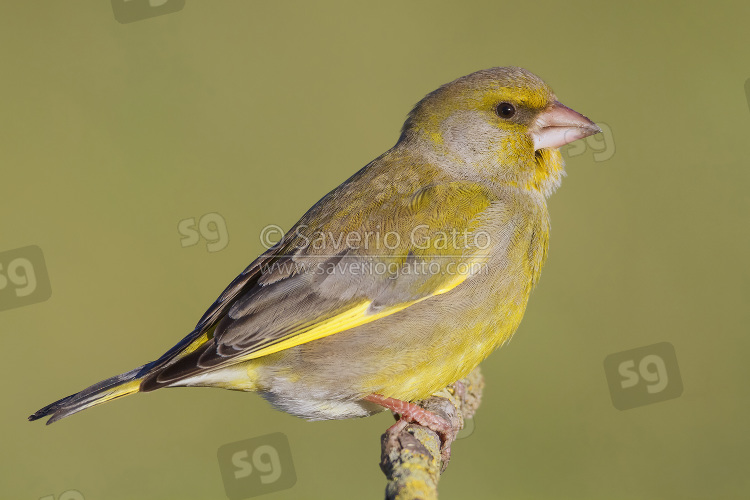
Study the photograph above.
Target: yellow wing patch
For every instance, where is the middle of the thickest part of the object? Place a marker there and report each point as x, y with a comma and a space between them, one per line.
353, 317
195, 344
118, 392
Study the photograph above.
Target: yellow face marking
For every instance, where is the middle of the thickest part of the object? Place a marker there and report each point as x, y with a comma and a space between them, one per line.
486, 99
518, 96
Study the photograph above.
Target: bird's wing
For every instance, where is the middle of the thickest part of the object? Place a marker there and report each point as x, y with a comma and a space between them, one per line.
327, 275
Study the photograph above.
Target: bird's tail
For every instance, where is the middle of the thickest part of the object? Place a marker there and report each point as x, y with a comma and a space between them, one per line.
106, 390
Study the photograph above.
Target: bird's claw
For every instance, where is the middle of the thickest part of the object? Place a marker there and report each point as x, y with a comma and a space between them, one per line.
411, 413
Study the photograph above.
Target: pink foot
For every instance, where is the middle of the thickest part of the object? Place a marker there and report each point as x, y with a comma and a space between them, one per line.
411, 413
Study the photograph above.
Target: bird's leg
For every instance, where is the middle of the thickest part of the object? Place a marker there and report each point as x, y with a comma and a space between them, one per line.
411, 413
459, 389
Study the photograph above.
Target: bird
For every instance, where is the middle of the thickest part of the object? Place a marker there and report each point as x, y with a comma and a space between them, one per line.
399, 281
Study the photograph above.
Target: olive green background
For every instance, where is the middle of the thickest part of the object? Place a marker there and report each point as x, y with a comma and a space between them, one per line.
113, 133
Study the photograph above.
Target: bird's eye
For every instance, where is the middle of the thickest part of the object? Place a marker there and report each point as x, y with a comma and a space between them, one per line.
505, 110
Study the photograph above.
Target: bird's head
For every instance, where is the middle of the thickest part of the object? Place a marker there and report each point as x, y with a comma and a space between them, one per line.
500, 125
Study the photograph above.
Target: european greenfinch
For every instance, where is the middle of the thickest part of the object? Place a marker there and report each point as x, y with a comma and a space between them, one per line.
398, 282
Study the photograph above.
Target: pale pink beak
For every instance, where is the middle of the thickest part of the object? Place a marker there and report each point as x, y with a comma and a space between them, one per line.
559, 125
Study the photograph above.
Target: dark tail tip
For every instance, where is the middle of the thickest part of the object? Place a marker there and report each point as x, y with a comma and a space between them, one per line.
100, 392
50, 409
